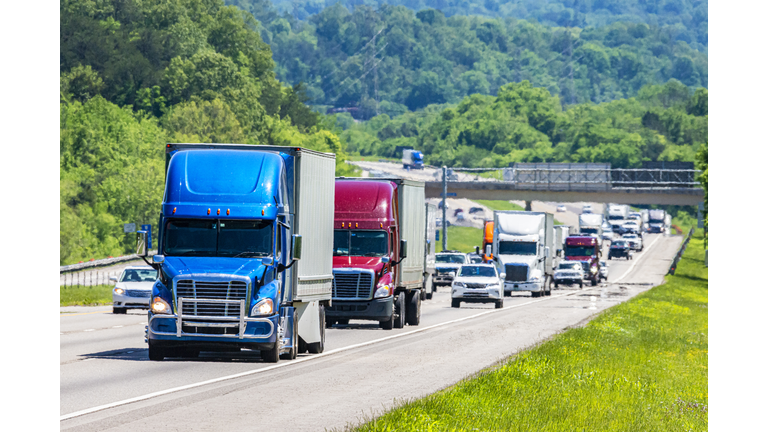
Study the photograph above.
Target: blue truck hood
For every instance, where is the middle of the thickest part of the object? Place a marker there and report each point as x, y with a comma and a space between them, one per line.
248, 267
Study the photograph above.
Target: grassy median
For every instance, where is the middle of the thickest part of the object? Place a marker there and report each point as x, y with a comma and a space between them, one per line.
96, 295
639, 366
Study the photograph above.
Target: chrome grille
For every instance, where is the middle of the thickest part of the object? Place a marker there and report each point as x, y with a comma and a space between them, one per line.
138, 293
475, 294
224, 290
475, 285
517, 273
352, 285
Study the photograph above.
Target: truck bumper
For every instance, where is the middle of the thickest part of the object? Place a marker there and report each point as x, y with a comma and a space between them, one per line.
206, 331
568, 281
442, 280
376, 309
523, 286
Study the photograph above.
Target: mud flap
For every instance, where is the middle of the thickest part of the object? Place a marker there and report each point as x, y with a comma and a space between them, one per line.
308, 317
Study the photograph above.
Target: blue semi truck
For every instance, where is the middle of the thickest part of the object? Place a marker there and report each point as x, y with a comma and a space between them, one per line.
234, 221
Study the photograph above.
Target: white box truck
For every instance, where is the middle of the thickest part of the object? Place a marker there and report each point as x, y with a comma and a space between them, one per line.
523, 244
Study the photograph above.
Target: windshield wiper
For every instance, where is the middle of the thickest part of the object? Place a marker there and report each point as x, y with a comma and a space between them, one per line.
255, 254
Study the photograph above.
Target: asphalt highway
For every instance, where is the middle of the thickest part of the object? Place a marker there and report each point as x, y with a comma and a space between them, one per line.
108, 383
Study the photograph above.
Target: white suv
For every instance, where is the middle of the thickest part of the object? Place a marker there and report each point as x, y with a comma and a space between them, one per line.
477, 283
134, 289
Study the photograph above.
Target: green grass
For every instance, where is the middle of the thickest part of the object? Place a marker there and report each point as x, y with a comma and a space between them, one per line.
462, 239
357, 158
639, 366
499, 205
96, 295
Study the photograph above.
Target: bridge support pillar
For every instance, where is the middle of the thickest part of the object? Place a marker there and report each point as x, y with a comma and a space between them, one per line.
528, 206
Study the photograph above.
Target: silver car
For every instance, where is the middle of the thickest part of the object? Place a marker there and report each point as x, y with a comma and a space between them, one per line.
133, 290
604, 270
477, 283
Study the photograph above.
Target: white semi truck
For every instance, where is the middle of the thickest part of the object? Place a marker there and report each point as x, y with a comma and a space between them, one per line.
617, 215
591, 224
523, 244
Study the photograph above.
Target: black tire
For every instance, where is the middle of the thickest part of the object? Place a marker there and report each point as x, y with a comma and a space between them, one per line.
302, 346
534, 294
329, 322
548, 292
155, 352
581, 284
400, 311
271, 355
594, 282
388, 324
557, 285
318, 347
291, 355
428, 296
342, 321
455, 303
413, 308
499, 304
119, 311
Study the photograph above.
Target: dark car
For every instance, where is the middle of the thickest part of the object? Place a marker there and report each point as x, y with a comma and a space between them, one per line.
620, 248
457, 211
474, 210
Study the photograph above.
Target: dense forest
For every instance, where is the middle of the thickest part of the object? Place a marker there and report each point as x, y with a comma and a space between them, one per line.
135, 75
687, 19
524, 123
392, 59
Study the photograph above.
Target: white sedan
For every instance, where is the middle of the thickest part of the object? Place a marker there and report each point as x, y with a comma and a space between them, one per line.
477, 283
134, 289
561, 208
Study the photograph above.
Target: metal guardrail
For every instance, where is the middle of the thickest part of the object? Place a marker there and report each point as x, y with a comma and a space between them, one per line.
680, 252
99, 263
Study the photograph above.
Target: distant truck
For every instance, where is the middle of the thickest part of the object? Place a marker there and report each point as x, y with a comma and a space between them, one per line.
591, 225
561, 233
487, 251
381, 265
523, 244
585, 249
231, 274
617, 214
413, 159
656, 221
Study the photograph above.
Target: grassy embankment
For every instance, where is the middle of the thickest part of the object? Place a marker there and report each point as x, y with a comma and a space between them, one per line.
85, 295
639, 366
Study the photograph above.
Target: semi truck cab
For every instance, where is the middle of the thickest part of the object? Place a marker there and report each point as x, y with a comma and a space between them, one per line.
585, 249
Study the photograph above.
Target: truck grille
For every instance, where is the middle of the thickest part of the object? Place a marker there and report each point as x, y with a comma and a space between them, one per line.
224, 290
475, 285
353, 285
138, 293
517, 272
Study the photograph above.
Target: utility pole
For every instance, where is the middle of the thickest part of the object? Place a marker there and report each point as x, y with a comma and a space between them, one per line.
445, 194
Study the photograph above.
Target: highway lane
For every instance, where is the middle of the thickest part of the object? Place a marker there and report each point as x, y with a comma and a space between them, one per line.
109, 363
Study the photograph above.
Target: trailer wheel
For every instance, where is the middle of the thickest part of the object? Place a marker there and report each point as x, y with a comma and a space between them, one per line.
318, 347
413, 308
155, 352
400, 311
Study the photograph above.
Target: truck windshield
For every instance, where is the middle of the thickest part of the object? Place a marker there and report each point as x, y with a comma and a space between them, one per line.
579, 250
360, 243
615, 217
450, 259
218, 238
517, 248
589, 230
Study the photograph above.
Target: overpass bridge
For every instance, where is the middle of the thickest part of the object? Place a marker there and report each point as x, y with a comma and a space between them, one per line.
556, 183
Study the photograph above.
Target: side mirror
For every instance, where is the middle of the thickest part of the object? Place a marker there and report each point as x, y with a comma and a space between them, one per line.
141, 243
477, 250
113, 279
158, 259
296, 247
403, 249
502, 276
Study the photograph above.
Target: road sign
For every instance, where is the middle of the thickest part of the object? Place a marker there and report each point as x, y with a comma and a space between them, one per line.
449, 194
148, 229
129, 227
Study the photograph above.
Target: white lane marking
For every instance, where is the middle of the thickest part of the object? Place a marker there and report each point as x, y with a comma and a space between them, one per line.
301, 360
89, 330
116, 326
638, 260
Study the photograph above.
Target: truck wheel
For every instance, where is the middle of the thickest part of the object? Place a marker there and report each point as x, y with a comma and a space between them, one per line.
499, 304
117, 310
534, 294
581, 284
455, 303
548, 292
388, 324
594, 282
557, 285
155, 352
413, 308
271, 355
428, 295
318, 347
400, 311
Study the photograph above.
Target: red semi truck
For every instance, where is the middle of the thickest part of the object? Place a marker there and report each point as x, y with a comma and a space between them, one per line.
585, 249
383, 252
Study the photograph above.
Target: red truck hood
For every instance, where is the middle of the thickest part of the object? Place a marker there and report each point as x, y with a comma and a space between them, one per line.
368, 263
579, 258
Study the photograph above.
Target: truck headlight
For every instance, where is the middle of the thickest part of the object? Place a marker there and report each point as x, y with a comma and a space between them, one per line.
452, 274
381, 292
593, 269
160, 306
119, 291
263, 307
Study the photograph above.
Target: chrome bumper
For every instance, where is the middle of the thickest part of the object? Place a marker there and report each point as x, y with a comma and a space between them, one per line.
238, 322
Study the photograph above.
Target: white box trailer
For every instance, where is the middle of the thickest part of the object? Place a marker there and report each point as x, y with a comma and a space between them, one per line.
412, 214
430, 228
